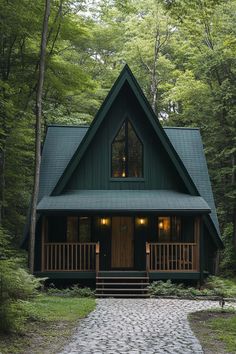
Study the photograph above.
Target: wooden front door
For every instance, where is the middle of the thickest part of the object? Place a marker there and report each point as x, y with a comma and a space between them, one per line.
122, 244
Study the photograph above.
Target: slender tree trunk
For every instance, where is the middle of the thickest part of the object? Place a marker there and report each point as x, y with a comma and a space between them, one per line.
2, 182
234, 208
38, 134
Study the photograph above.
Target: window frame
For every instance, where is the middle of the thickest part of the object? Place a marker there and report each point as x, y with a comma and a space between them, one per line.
125, 121
173, 222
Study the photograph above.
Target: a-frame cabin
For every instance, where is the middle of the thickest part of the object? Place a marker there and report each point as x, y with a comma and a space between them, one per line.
125, 197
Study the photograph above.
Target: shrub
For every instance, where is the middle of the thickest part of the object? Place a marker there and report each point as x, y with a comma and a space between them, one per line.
73, 291
214, 286
221, 287
16, 284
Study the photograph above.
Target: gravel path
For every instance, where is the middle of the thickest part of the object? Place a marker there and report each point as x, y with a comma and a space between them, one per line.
138, 326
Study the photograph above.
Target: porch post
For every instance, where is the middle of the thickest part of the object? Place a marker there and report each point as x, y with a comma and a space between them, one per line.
197, 228
147, 257
43, 241
97, 257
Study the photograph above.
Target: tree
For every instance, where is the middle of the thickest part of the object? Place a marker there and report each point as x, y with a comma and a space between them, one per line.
38, 132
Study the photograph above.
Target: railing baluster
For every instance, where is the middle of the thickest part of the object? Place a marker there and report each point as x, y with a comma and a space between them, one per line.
172, 257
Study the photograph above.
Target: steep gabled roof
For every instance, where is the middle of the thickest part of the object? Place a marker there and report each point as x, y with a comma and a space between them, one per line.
126, 77
62, 141
59, 146
65, 145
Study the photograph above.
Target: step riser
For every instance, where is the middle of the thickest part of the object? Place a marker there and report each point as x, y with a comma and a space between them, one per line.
125, 284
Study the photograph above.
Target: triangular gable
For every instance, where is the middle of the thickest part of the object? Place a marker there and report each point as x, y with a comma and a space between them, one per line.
126, 76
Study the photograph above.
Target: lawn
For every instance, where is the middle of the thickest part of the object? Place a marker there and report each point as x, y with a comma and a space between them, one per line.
50, 322
215, 330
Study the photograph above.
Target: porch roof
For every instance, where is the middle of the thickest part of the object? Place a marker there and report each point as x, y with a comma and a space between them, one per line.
124, 200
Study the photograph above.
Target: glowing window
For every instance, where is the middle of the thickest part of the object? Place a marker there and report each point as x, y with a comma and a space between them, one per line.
127, 153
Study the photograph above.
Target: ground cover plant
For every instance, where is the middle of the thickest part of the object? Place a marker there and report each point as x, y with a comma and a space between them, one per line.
214, 286
216, 330
73, 291
48, 323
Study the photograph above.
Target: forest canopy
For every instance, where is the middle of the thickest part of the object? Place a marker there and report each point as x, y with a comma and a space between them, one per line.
182, 52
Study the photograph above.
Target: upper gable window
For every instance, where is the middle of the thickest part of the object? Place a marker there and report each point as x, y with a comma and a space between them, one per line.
127, 153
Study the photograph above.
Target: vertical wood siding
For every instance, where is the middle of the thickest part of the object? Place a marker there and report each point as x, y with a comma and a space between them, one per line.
94, 170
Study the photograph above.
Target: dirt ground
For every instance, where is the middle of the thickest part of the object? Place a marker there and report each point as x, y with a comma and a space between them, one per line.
207, 336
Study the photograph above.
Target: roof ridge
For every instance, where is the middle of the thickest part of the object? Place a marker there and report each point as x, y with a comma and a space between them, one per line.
186, 128
68, 125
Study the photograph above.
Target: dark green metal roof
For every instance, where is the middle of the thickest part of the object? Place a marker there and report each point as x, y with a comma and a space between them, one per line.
188, 144
60, 145
62, 141
124, 200
64, 147
125, 78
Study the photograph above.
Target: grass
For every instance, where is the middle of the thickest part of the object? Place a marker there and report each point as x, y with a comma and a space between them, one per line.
216, 330
50, 322
225, 330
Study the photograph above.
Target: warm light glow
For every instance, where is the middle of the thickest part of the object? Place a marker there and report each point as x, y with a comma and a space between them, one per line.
123, 158
142, 221
161, 225
104, 221
123, 174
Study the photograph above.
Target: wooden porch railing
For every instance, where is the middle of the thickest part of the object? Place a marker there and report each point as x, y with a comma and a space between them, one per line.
169, 257
70, 256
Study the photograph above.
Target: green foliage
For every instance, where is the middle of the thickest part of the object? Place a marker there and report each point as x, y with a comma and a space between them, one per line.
228, 255
222, 286
73, 291
225, 330
49, 322
16, 285
214, 286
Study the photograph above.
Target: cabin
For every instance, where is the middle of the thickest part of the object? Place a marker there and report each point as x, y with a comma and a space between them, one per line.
125, 201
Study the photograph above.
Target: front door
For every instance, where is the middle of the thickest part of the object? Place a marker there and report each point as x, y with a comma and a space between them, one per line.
122, 245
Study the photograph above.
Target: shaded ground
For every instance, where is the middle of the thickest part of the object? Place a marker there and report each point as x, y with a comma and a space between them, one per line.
211, 329
51, 322
40, 338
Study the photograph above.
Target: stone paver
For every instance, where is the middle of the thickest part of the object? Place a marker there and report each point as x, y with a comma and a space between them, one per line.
138, 326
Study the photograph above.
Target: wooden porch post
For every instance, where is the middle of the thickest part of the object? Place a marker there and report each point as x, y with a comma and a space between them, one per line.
97, 257
147, 257
43, 232
197, 228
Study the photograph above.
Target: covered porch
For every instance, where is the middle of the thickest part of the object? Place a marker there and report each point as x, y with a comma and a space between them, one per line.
155, 244
155, 231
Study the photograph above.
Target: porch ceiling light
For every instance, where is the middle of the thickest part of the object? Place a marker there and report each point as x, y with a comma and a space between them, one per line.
142, 221
104, 221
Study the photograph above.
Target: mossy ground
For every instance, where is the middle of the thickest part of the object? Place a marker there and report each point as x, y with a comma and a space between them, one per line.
50, 322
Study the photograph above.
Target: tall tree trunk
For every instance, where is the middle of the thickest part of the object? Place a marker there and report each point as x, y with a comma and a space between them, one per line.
38, 134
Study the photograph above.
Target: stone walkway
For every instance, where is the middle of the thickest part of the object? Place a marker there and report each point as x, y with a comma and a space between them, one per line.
138, 326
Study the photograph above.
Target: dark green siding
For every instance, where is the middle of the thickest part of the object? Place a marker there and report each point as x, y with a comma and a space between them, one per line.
94, 169
209, 252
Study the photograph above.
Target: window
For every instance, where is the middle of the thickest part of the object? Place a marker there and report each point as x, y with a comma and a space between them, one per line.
127, 153
169, 229
72, 229
84, 229
78, 229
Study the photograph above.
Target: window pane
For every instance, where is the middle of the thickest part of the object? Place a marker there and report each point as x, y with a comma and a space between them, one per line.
135, 154
176, 229
84, 229
72, 229
164, 229
118, 154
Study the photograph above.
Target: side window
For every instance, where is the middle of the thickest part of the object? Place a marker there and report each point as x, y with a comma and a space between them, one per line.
127, 153
84, 229
169, 229
72, 229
